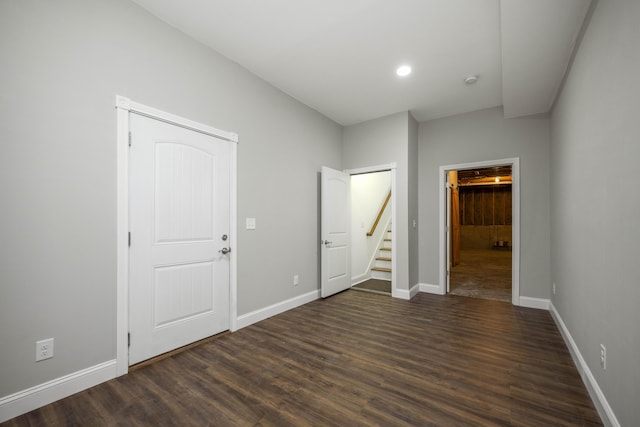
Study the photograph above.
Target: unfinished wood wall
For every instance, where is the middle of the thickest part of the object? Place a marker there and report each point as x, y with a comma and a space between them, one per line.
485, 205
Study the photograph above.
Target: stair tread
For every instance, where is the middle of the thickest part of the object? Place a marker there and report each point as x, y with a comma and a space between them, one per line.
383, 258
387, 240
385, 249
388, 270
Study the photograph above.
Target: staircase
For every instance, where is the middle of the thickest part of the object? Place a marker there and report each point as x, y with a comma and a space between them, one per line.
382, 266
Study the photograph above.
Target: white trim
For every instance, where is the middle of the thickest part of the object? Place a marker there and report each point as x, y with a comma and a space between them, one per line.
371, 169
401, 293
360, 278
125, 107
394, 234
395, 292
515, 232
531, 302
597, 396
415, 290
233, 240
144, 110
430, 289
515, 214
122, 246
35, 397
277, 308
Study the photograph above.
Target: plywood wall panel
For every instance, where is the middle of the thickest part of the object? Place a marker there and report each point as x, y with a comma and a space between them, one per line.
485, 205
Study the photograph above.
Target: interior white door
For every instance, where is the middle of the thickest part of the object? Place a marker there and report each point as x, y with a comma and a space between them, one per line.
335, 226
179, 218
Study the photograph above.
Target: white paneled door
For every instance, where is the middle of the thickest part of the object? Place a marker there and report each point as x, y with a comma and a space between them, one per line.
335, 225
179, 219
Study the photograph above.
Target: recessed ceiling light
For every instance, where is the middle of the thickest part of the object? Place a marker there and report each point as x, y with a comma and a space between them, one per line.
403, 71
471, 80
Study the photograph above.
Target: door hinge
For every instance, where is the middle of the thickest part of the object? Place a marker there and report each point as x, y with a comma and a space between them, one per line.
129, 238
129, 139
128, 339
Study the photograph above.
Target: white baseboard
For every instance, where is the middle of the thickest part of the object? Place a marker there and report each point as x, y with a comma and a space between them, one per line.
531, 302
405, 294
430, 289
599, 400
415, 289
35, 397
272, 310
401, 293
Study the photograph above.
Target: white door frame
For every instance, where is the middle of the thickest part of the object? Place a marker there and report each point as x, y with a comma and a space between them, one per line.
515, 214
448, 222
124, 107
382, 168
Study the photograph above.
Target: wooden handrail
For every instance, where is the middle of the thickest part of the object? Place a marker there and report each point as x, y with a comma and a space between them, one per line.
375, 223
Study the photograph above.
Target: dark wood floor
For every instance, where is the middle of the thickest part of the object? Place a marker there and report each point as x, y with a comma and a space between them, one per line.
356, 358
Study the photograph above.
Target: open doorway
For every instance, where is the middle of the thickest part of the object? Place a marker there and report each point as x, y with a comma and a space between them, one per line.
371, 232
480, 243
480, 229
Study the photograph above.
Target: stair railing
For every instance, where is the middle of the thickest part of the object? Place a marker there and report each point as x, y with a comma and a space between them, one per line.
375, 223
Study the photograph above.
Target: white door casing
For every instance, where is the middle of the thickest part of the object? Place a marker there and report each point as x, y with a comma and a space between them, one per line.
125, 109
335, 226
391, 167
515, 214
448, 239
179, 211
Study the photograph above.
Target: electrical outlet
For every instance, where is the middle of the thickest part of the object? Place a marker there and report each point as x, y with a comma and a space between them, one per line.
603, 356
44, 349
554, 288
296, 280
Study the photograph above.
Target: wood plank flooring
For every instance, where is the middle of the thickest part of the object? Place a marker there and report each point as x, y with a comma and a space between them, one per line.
356, 358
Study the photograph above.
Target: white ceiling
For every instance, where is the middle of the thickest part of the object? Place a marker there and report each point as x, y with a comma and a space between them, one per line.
339, 56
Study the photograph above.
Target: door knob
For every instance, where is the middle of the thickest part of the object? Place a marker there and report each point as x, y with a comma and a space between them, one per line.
224, 251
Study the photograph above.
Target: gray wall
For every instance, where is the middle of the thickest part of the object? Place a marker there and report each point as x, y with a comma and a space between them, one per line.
595, 203
384, 141
63, 62
486, 135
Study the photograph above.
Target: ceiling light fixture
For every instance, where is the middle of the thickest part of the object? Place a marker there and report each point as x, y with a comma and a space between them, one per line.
471, 80
403, 71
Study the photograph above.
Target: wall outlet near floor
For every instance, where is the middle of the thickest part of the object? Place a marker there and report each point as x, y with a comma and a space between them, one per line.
603, 356
44, 349
554, 288
296, 280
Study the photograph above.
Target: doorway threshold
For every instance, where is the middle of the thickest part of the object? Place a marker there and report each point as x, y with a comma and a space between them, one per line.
376, 286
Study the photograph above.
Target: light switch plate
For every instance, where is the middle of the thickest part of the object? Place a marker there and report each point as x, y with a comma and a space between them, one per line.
251, 223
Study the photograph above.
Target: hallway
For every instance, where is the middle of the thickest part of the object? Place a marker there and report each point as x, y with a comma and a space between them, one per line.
483, 273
